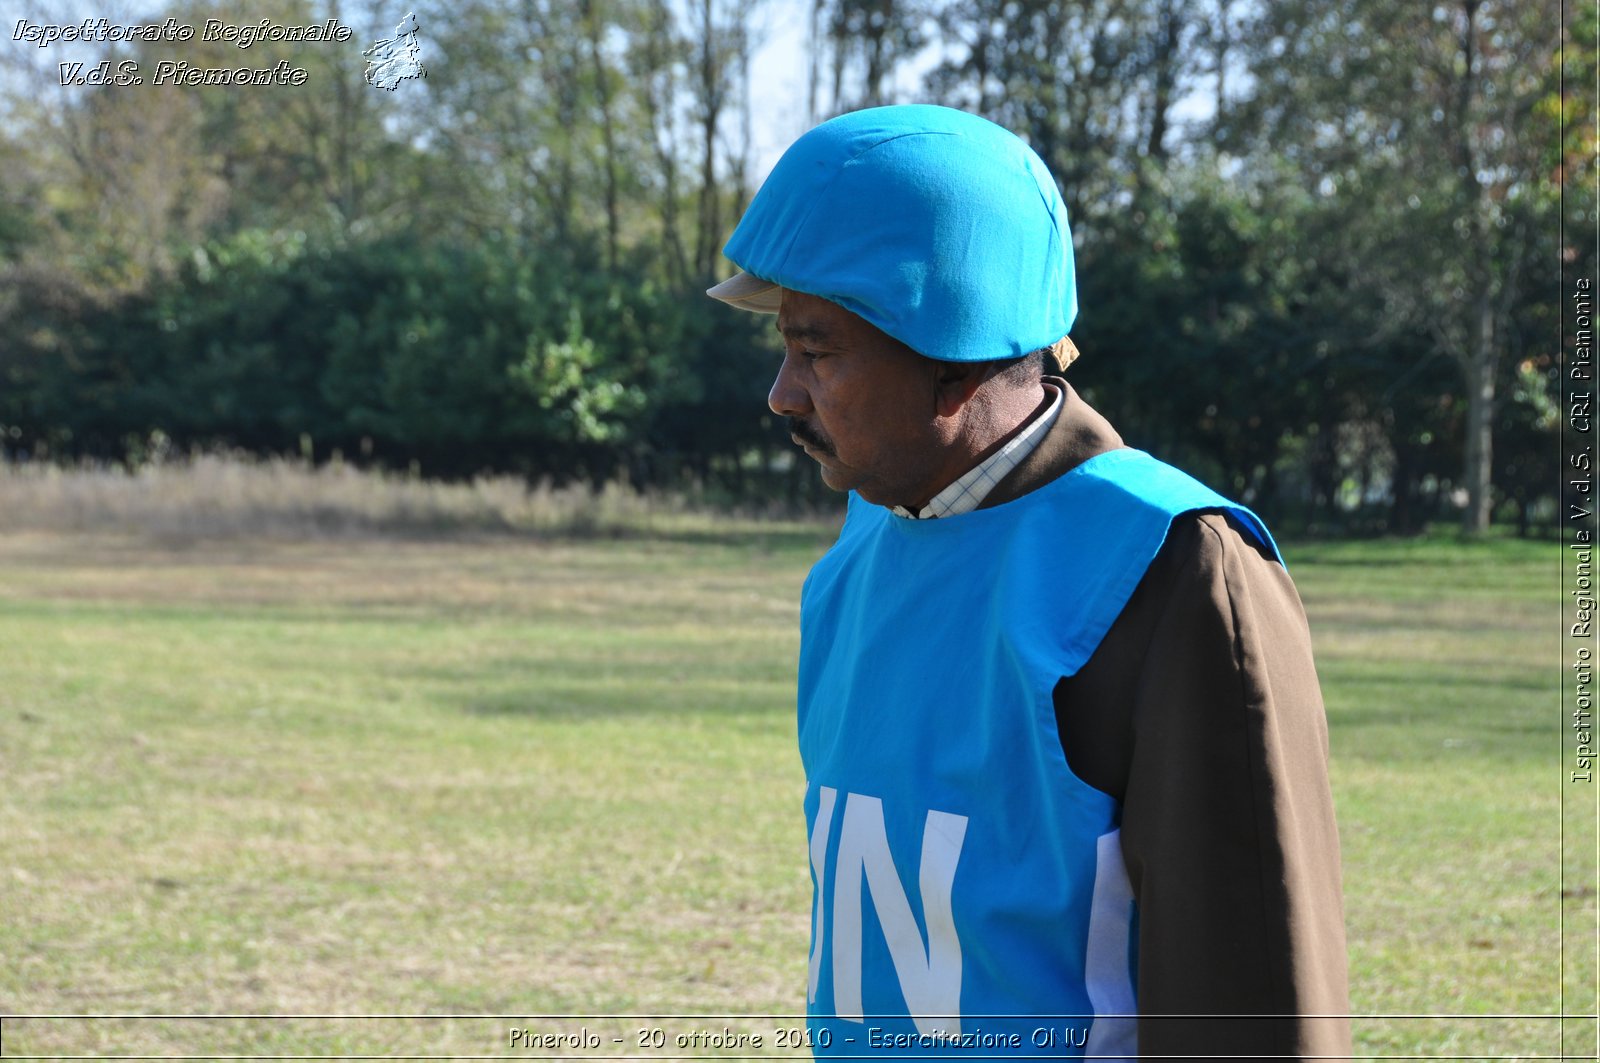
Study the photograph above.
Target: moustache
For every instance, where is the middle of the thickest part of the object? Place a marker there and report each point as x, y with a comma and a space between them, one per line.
809, 436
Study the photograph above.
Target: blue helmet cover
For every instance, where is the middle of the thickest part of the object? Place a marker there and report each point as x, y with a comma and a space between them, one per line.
939, 227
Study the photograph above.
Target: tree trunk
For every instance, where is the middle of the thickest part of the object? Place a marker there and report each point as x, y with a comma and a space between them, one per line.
1403, 490
661, 101
1480, 373
1169, 32
710, 83
602, 90
1480, 357
1224, 39
813, 55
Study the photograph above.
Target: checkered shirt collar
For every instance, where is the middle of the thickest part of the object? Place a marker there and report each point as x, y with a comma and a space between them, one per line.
972, 487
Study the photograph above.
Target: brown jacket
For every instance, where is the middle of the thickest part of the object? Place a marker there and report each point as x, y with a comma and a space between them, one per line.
1200, 712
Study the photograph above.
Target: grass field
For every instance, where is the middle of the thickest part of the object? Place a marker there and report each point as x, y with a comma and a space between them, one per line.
503, 776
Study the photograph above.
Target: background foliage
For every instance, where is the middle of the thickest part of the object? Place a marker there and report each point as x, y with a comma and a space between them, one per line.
1319, 240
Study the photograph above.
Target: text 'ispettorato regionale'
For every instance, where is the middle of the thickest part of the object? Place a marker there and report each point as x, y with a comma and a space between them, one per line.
174, 72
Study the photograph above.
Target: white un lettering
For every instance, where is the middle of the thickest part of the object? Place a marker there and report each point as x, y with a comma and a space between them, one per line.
929, 972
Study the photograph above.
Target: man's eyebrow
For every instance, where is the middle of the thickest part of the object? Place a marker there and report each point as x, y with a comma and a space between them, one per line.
802, 332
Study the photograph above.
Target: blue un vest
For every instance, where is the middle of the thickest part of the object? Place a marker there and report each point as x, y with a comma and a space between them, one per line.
969, 890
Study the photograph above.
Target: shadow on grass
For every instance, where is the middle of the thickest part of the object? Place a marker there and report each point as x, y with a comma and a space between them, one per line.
575, 691
1429, 552
763, 540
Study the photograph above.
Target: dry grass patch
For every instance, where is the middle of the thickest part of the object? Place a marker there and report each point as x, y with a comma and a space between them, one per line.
219, 496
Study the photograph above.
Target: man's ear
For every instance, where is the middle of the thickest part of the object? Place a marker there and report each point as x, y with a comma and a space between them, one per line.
955, 383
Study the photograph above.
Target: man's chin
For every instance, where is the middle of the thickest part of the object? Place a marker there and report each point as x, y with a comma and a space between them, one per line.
837, 479
843, 478
849, 480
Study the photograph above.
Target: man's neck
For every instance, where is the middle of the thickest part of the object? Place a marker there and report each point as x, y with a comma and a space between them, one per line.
988, 431
1016, 416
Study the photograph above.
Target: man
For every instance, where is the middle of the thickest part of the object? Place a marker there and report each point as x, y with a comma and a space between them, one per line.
1064, 745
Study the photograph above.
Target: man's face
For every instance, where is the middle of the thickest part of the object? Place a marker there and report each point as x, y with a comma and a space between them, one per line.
861, 402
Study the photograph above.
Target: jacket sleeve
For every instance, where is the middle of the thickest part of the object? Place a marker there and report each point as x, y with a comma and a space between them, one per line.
1201, 713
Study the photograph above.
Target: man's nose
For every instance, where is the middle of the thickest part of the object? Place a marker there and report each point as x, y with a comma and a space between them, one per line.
787, 397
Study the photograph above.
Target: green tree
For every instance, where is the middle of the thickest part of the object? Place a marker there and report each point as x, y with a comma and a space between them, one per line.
1424, 122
